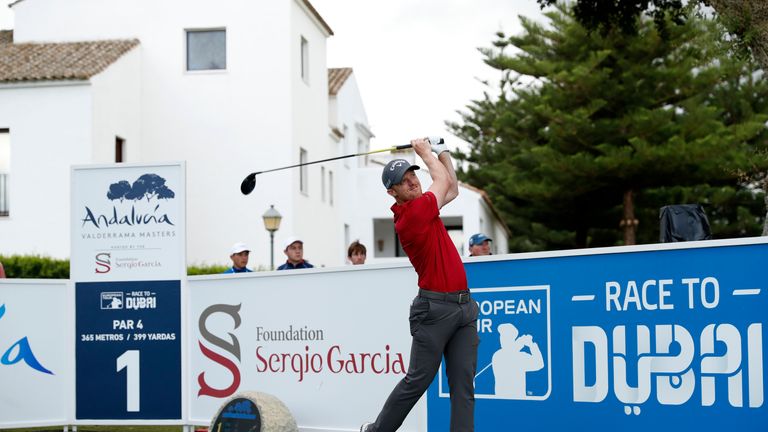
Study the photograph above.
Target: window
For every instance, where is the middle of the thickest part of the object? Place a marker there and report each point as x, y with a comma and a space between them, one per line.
346, 239
330, 187
345, 145
361, 162
304, 60
322, 184
5, 164
303, 171
119, 149
206, 50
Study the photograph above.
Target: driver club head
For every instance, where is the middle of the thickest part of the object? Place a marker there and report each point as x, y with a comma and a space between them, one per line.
248, 184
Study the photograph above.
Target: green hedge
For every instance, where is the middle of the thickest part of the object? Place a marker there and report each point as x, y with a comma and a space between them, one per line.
196, 270
37, 267
34, 267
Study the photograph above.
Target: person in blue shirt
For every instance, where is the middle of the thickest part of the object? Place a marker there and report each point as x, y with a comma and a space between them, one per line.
239, 256
294, 250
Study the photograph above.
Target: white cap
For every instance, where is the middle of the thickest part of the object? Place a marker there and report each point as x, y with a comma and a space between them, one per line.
239, 247
291, 240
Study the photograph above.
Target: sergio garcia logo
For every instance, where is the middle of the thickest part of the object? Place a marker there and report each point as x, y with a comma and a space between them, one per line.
232, 347
21, 350
103, 262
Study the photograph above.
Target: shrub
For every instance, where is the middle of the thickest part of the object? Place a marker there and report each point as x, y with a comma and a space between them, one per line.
34, 267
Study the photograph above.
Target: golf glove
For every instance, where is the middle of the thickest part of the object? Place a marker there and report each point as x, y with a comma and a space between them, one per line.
438, 145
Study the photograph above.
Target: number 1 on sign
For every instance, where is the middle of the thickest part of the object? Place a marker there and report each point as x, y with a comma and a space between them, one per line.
129, 361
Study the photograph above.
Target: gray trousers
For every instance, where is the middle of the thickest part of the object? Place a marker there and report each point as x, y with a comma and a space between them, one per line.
439, 328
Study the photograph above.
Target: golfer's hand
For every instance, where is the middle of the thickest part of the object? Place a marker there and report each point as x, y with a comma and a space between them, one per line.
421, 146
437, 148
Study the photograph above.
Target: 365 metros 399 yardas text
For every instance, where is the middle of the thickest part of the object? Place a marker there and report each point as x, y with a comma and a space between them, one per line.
334, 360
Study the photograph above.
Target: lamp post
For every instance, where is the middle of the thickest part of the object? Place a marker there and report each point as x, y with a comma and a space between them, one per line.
272, 220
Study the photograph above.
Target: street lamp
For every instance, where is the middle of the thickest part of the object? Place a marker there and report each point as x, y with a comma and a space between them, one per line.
272, 220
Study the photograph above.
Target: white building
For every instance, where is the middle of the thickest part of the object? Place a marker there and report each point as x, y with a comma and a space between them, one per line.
229, 87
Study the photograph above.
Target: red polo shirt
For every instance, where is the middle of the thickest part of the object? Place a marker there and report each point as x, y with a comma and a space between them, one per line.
430, 249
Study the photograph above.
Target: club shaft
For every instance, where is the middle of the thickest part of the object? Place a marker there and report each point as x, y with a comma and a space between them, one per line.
400, 147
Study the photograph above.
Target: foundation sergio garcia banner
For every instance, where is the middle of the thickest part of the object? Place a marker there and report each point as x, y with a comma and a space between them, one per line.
128, 222
329, 344
620, 339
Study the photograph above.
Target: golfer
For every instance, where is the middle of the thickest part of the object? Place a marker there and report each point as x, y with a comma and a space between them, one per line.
442, 316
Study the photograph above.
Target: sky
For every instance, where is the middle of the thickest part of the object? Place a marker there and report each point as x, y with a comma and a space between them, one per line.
416, 61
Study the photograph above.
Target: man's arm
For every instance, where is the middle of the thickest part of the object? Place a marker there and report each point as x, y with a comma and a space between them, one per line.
445, 158
444, 186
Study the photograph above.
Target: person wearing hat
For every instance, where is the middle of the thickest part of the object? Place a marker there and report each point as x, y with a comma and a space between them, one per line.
479, 244
443, 315
239, 256
294, 251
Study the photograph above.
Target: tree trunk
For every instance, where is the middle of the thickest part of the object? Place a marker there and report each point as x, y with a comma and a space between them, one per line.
581, 237
629, 223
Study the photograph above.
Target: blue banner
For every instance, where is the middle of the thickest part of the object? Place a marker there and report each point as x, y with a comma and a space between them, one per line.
128, 350
633, 341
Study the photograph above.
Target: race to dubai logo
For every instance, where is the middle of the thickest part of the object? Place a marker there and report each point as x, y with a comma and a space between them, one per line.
147, 187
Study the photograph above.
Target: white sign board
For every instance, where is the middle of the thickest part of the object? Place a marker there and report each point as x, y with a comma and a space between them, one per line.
330, 344
128, 222
36, 385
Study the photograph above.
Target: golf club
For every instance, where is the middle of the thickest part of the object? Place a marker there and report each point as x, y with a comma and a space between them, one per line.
249, 183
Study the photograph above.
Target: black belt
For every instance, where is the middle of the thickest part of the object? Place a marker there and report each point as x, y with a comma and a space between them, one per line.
455, 297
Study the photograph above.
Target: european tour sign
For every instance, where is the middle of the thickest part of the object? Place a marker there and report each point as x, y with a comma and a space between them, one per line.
659, 337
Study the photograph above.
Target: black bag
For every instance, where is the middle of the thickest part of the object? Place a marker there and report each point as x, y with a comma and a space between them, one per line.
683, 222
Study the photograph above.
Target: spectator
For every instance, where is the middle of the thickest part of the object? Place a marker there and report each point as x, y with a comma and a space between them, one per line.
356, 253
2, 271
239, 256
479, 244
294, 251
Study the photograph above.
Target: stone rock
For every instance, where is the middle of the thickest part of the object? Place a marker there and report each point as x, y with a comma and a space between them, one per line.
275, 416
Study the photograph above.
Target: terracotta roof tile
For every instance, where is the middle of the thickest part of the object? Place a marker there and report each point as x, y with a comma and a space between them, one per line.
336, 78
59, 61
317, 15
6, 36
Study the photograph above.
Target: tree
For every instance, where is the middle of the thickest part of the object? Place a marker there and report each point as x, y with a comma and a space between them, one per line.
594, 128
118, 190
746, 19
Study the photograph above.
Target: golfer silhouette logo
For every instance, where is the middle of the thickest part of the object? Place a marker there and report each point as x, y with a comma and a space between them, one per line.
518, 355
